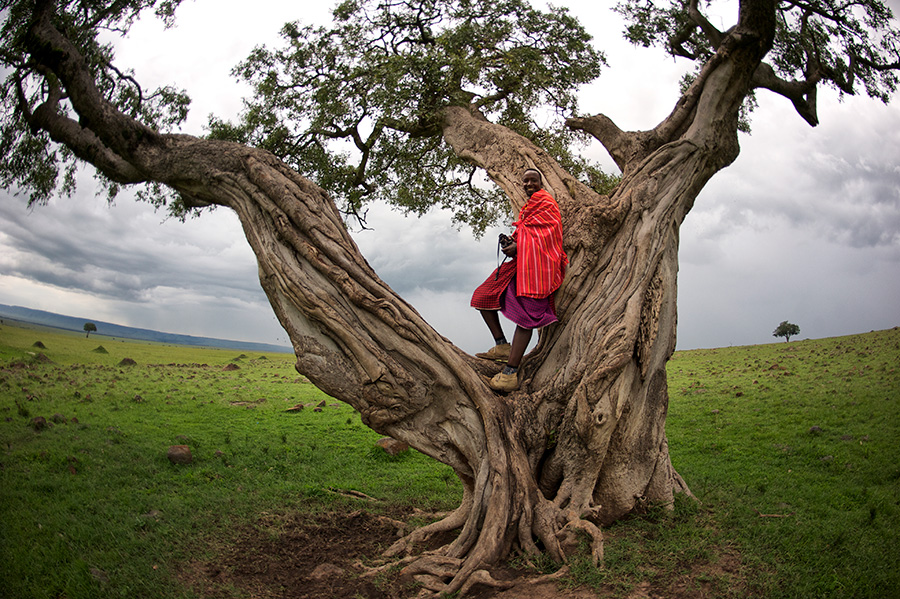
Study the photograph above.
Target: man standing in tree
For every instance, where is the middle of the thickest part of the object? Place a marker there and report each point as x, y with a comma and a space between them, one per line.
523, 287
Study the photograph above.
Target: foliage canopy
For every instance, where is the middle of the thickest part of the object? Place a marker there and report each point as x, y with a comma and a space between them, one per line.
358, 106
838, 44
31, 161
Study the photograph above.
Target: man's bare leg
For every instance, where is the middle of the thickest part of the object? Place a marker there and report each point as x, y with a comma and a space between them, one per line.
519, 344
492, 319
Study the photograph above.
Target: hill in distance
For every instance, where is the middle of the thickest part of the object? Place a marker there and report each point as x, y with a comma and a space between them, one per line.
108, 329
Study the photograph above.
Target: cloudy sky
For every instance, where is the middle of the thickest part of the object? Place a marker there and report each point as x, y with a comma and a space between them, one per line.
804, 227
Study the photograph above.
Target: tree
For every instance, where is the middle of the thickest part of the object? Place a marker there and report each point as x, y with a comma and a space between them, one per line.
89, 327
429, 95
786, 330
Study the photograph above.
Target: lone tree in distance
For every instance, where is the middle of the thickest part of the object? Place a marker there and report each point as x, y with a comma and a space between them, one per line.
89, 327
786, 330
430, 94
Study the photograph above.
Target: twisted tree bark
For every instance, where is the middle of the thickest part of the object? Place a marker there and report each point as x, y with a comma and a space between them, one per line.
583, 441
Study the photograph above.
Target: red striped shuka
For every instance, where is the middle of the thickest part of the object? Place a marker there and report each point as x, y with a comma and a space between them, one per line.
540, 262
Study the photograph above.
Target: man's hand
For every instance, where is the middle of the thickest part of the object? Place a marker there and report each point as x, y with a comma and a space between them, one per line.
510, 250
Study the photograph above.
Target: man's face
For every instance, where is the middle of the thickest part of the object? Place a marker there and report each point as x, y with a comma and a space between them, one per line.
531, 182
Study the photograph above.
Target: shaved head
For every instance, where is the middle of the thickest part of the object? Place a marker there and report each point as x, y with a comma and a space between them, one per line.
534, 170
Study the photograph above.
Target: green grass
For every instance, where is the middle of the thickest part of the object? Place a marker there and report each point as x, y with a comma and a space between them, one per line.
790, 447
793, 447
91, 506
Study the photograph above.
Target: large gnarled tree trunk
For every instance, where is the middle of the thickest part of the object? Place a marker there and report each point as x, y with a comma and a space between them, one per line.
583, 441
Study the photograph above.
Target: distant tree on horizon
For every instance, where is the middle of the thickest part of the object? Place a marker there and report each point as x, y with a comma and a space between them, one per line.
786, 330
89, 327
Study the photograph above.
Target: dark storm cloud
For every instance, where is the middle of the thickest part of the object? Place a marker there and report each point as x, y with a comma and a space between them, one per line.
412, 254
123, 252
834, 182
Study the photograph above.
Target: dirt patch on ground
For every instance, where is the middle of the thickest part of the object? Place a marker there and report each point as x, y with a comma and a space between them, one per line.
301, 556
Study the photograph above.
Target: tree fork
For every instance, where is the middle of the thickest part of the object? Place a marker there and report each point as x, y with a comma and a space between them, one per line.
583, 442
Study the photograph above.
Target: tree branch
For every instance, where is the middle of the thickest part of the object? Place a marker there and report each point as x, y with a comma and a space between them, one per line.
118, 132
628, 149
620, 145
698, 20
801, 93
83, 143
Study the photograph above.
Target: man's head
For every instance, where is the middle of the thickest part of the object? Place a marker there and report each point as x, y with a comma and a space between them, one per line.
532, 181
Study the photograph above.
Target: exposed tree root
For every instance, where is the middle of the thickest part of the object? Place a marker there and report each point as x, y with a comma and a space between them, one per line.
351, 493
465, 562
453, 521
483, 577
568, 538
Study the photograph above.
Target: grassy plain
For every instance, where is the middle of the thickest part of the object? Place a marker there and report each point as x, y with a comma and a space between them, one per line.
794, 448
790, 447
92, 507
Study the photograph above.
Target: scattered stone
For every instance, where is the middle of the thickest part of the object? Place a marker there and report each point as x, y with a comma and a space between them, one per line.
321, 404
392, 446
127, 362
846, 437
180, 454
99, 575
74, 420
826, 458
39, 423
715, 411
324, 571
317, 409
297, 408
137, 398
58, 419
815, 430
232, 367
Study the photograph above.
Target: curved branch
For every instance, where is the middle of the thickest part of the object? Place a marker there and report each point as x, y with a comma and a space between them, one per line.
628, 149
50, 48
48, 117
698, 20
503, 154
713, 35
801, 93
